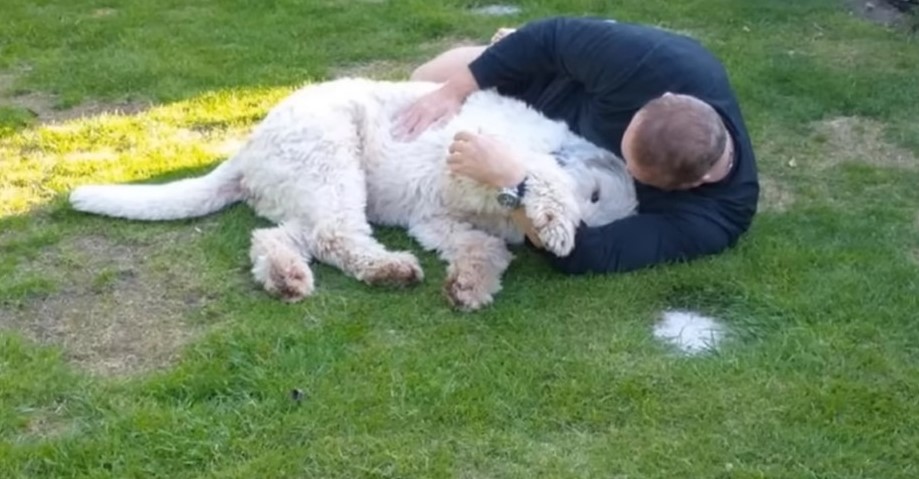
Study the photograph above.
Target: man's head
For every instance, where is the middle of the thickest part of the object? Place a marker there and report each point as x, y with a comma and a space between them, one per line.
675, 142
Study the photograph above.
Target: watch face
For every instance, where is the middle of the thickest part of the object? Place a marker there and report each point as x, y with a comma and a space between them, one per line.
507, 200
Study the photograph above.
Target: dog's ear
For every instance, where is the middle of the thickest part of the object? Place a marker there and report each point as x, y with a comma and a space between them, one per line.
574, 152
562, 155
586, 155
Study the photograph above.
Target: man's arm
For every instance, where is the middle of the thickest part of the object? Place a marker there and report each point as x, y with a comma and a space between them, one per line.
639, 241
590, 51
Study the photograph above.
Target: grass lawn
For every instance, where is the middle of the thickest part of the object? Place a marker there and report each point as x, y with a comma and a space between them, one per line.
144, 350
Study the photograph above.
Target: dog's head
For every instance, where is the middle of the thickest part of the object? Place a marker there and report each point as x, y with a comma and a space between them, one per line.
603, 187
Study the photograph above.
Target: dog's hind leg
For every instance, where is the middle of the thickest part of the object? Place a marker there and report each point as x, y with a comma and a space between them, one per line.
476, 260
352, 249
280, 263
340, 235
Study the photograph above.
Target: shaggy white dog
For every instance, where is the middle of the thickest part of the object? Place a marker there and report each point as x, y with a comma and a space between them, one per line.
323, 167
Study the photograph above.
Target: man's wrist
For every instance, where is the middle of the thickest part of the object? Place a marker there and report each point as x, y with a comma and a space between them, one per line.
513, 177
462, 84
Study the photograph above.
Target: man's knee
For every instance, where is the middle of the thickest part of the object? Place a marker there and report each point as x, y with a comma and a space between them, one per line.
445, 65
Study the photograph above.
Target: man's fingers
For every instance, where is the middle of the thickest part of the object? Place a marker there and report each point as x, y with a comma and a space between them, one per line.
413, 126
403, 122
410, 123
464, 135
458, 168
454, 164
461, 147
456, 156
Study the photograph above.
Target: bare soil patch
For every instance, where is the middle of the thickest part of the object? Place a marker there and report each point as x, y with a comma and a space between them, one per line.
496, 10
878, 11
43, 106
118, 309
860, 140
47, 424
103, 12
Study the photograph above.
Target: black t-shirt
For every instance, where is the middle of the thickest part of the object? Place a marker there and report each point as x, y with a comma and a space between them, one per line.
595, 74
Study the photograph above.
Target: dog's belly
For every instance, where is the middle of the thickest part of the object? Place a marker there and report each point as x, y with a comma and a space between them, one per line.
404, 182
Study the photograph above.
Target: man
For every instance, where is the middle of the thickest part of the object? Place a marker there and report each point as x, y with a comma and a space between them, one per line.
657, 99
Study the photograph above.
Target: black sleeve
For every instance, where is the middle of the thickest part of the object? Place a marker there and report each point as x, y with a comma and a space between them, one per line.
590, 51
641, 241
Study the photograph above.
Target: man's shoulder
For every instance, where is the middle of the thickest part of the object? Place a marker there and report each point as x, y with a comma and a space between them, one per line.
730, 203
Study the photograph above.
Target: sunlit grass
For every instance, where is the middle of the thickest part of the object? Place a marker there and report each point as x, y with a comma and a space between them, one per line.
562, 377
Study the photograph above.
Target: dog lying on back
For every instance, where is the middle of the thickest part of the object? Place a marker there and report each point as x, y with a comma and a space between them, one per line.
323, 167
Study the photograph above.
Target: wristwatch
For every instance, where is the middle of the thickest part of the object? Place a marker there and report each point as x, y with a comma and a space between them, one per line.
510, 197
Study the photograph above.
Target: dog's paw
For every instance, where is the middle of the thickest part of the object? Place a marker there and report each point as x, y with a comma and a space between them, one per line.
398, 269
289, 279
553, 210
470, 287
555, 232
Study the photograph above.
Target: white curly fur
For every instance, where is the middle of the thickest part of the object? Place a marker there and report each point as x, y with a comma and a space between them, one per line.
323, 167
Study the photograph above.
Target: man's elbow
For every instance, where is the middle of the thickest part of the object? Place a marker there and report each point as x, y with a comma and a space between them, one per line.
582, 262
567, 265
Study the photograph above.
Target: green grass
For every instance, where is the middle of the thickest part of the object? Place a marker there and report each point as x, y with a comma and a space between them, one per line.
560, 378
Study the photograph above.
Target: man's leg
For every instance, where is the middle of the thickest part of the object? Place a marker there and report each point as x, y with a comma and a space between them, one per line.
445, 65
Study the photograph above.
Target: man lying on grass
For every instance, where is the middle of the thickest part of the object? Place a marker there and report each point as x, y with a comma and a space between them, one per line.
659, 100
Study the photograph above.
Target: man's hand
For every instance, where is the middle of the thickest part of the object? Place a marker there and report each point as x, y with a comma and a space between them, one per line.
436, 106
433, 107
485, 160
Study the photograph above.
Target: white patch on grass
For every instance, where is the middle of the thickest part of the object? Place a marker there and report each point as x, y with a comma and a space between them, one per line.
497, 10
691, 332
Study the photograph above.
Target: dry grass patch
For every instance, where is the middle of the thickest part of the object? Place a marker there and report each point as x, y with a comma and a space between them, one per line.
103, 12
856, 140
377, 70
116, 309
774, 196
46, 424
401, 69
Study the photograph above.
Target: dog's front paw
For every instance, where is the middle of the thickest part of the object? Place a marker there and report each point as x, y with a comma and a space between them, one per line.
553, 210
555, 232
470, 286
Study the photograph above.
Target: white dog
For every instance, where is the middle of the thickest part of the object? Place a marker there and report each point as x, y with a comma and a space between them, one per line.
323, 167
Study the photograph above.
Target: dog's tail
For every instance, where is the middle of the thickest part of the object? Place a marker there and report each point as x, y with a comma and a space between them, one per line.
186, 198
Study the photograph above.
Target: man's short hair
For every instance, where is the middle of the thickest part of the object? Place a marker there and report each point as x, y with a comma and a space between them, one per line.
679, 138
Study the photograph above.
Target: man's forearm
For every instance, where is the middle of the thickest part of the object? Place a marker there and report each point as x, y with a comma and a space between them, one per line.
462, 84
